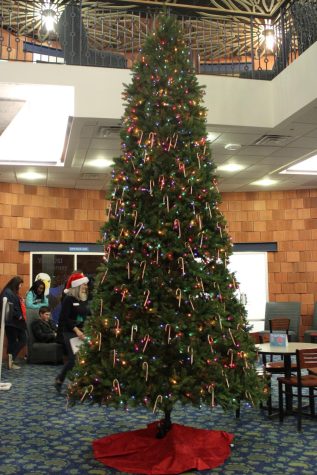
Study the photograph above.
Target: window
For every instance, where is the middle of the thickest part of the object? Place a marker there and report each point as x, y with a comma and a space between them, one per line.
251, 272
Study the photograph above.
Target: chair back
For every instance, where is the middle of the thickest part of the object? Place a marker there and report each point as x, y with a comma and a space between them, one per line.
315, 317
290, 310
306, 359
264, 338
279, 325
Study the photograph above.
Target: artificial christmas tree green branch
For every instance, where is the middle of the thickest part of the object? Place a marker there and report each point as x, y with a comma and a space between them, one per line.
167, 324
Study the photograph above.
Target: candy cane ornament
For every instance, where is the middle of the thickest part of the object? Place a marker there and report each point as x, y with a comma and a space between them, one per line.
147, 339
139, 229
180, 260
116, 386
211, 389
145, 366
191, 302
88, 391
147, 295
168, 330
134, 329
135, 214
104, 277
178, 294
143, 267
157, 400
230, 352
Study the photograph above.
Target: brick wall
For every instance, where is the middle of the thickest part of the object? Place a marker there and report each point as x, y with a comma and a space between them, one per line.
290, 219
30, 213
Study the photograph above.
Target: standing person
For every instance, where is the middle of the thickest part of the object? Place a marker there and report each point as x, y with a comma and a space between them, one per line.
15, 326
35, 297
73, 314
44, 328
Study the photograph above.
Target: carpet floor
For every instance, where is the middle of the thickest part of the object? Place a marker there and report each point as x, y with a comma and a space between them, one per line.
40, 435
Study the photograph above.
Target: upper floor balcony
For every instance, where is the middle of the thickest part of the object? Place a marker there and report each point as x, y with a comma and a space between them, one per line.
225, 37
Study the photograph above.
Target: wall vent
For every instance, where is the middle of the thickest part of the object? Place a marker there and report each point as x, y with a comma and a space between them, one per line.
109, 131
273, 140
91, 176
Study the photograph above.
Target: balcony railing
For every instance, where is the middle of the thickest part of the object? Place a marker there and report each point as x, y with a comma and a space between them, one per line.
92, 33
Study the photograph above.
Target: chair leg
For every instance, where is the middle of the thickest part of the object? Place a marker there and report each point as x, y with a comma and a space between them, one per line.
311, 401
269, 405
238, 412
299, 410
280, 401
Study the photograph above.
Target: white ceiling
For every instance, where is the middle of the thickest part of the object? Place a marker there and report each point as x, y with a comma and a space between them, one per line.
90, 139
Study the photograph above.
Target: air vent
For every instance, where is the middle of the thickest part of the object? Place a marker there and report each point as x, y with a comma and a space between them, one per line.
109, 131
90, 176
273, 140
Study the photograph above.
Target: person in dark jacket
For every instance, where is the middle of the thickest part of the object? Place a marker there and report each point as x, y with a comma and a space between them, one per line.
44, 329
73, 314
15, 326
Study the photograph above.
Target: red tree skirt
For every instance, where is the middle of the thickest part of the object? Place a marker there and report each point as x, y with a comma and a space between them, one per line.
182, 449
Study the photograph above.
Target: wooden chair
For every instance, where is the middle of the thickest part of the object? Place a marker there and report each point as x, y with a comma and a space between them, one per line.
273, 367
279, 325
290, 310
305, 359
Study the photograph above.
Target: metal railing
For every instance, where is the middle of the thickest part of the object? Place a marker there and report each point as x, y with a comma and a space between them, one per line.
92, 33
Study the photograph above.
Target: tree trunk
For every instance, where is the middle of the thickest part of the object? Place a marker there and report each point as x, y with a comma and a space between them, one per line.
164, 425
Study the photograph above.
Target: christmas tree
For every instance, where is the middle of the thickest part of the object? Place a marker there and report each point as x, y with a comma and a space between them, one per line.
167, 325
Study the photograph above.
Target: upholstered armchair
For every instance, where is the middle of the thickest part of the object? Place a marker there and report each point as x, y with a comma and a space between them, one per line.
277, 310
308, 333
41, 352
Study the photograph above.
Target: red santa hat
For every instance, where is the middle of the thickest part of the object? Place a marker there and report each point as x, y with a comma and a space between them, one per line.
75, 280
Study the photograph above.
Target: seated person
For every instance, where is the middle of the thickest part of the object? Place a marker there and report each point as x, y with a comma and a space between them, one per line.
44, 329
35, 297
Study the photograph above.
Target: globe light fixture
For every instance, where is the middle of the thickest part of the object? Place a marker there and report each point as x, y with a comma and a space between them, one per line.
49, 16
269, 36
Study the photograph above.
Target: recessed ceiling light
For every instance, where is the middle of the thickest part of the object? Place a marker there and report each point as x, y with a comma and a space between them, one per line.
31, 176
101, 163
233, 146
230, 167
211, 136
265, 182
305, 167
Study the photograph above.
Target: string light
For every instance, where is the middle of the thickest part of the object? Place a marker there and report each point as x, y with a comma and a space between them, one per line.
165, 252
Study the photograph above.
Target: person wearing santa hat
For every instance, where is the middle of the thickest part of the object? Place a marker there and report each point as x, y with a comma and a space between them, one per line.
73, 314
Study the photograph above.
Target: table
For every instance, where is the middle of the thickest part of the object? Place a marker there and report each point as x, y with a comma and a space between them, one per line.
285, 351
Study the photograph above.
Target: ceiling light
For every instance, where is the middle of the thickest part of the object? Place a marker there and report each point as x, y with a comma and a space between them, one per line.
264, 182
42, 125
305, 167
101, 163
230, 167
233, 146
31, 175
49, 15
211, 136
268, 34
